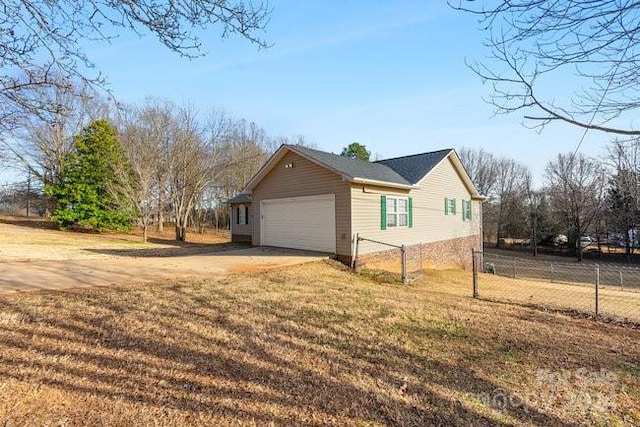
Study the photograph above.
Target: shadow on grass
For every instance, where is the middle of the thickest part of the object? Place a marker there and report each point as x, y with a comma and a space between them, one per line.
35, 223
219, 249
213, 351
177, 249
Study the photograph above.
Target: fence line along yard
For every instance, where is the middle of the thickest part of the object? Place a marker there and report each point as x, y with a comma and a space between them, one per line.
403, 262
603, 290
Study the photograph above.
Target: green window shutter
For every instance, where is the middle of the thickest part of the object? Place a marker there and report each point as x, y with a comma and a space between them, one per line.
470, 210
464, 210
455, 206
410, 213
383, 212
446, 206
246, 215
238, 215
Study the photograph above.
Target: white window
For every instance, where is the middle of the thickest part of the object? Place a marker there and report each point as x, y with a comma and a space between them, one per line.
466, 210
449, 206
397, 212
242, 215
403, 212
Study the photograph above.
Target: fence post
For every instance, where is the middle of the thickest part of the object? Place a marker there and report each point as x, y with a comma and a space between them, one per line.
355, 257
621, 281
597, 289
403, 251
474, 267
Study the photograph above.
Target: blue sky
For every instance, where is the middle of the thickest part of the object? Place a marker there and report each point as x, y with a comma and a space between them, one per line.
390, 75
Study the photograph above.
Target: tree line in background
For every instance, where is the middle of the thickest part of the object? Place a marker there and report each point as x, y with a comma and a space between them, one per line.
94, 165
583, 199
100, 166
97, 165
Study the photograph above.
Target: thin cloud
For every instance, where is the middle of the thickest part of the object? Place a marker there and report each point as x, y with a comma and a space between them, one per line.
274, 54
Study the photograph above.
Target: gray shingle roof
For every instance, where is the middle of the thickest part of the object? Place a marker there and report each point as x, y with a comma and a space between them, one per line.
414, 168
241, 198
353, 167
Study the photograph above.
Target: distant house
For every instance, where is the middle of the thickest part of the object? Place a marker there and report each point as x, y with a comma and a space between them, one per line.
309, 199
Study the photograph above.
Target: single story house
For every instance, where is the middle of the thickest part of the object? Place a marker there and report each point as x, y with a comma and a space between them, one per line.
309, 199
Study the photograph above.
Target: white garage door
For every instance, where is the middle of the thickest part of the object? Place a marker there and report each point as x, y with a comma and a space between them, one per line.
300, 223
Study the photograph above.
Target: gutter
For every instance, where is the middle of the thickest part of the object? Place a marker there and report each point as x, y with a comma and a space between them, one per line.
357, 180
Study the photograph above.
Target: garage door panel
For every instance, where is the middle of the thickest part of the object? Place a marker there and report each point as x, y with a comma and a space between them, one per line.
300, 223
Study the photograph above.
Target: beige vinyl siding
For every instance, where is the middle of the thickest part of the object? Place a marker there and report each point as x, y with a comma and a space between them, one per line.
241, 229
430, 224
305, 178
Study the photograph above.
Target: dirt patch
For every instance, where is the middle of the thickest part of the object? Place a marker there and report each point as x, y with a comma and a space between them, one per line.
36, 258
39, 275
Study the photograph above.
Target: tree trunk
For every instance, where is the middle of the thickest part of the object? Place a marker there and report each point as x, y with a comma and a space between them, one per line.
161, 211
498, 236
181, 224
181, 233
144, 233
579, 249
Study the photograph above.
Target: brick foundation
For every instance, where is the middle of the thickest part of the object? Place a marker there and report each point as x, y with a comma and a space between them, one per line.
453, 253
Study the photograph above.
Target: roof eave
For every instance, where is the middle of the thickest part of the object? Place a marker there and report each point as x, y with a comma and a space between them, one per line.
357, 180
233, 202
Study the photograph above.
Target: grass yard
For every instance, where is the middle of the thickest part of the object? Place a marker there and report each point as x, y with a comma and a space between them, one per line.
310, 345
30, 239
613, 302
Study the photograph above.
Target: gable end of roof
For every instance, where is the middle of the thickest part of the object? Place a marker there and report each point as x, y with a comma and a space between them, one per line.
415, 167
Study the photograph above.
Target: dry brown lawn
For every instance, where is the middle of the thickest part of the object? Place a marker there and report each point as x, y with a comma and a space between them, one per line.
613, 302
33, 239
308, 345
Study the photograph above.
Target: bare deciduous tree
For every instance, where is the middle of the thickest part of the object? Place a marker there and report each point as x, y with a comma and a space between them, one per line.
504, 182
538, 41
576, 189
41, 142
510, 191
245, 151
143, 133
195, 161
157, 119
482, 167
40, 41
623, 191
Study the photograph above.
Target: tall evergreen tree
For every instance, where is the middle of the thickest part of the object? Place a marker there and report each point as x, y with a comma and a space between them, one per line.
89, 192
355, 150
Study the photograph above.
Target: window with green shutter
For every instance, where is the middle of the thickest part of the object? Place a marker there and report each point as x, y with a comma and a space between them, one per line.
396, 212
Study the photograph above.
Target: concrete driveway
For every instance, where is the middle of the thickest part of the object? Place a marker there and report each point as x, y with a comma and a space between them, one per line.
38, 275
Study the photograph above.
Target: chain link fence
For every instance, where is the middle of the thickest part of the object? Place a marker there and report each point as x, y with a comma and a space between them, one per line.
396, 260
602, 290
